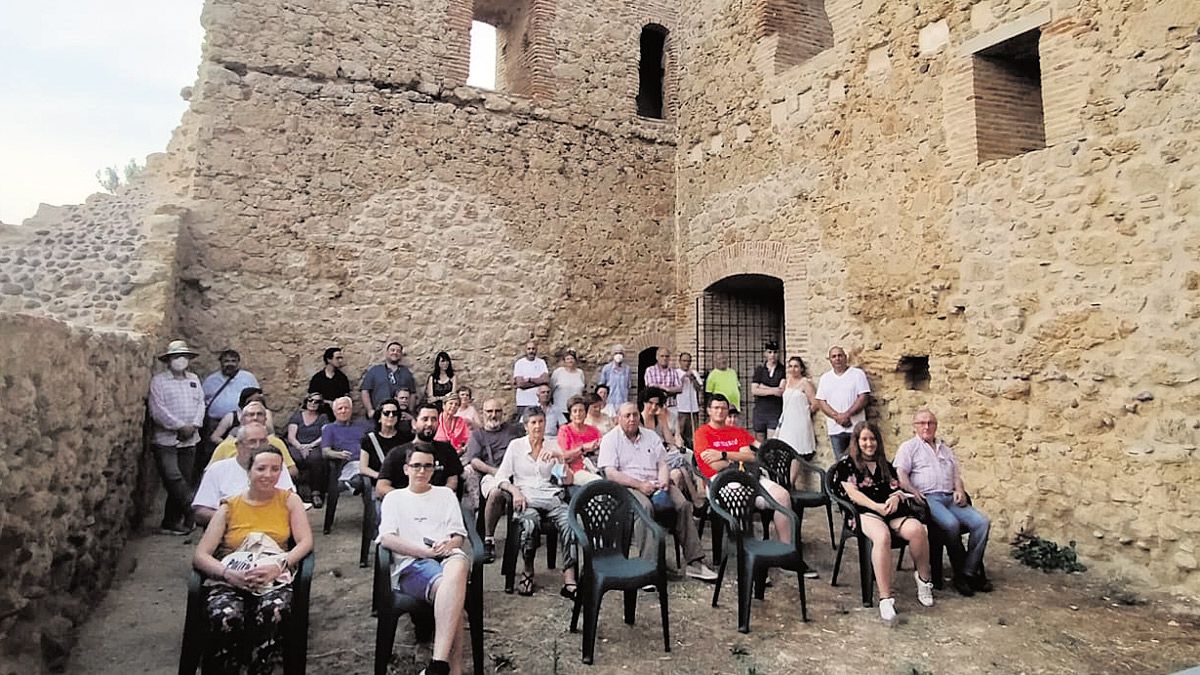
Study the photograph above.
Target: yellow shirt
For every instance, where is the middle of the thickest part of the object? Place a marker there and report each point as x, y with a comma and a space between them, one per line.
270, 518
228, 448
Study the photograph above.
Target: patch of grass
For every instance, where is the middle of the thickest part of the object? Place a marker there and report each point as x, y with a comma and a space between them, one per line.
1033, 551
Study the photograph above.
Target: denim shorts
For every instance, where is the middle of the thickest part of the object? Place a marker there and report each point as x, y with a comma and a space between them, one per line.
419, 577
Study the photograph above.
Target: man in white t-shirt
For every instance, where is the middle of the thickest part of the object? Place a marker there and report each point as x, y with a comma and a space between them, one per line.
688, 400
529, 373
229, 477
842, 395
423, 526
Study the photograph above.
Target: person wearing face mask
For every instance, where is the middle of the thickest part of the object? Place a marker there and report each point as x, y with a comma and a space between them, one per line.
615, 377
177, 409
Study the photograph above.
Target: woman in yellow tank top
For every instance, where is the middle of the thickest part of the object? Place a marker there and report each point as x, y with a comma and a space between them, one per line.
246, 607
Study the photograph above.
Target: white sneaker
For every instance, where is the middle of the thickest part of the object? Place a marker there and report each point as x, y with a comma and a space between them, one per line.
699, 570
887, 609
924, 590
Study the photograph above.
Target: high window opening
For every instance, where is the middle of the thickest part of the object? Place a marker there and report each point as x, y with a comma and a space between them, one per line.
652, 70
802, 27
519, 49
734, 317
916, 372
482, 73
1008, 98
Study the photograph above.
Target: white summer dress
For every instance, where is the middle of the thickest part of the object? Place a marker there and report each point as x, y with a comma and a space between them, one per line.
795, 424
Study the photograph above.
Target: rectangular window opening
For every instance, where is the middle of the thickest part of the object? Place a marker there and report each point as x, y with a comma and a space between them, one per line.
482, 71
1007, 78
651, 72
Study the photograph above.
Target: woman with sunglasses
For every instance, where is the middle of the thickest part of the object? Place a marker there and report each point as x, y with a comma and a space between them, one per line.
304, 442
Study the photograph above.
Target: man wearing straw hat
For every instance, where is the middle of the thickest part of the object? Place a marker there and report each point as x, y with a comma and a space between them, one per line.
177, 411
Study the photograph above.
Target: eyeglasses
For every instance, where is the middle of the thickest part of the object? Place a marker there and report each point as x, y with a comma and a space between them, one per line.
389, 413
422, 467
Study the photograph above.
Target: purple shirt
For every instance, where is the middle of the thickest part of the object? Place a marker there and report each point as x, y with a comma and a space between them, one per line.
346, 437
930, 469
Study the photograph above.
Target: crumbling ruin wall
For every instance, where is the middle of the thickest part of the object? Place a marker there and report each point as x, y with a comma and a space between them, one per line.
1054, 292
353, 191
87, 294
72, 479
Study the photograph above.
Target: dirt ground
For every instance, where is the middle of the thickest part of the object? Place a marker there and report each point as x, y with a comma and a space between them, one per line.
1032, 623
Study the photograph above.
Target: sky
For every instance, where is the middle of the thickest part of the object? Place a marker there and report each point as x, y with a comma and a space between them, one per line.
84, 85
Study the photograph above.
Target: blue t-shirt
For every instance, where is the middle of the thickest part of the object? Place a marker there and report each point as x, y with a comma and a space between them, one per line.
227, 402
346, 437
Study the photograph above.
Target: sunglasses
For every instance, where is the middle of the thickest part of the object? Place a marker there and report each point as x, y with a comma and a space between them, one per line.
390, 413
313, 400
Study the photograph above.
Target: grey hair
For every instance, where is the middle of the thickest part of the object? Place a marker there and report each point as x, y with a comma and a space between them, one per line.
240, 433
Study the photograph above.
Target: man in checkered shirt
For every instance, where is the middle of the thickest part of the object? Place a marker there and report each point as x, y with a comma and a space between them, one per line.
177, 409
663, 376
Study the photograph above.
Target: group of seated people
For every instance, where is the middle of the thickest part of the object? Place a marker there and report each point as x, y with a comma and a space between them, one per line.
418, 474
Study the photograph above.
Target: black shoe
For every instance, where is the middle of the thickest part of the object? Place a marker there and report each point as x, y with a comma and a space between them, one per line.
963, 586
979, 583
489, 552
318, 501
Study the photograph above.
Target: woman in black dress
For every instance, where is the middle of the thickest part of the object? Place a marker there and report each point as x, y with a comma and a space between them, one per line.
866, 478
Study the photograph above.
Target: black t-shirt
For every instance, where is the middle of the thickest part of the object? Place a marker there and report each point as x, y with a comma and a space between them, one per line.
444, 456
329, 388
767, 379
385, 444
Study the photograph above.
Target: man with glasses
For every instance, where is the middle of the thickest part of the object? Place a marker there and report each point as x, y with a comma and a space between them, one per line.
423, 526
229, 477
928, 469
842, 394
255, 412
485, 451
383, 380
448, 470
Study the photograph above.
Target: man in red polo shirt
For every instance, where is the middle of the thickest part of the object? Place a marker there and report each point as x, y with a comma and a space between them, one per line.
720, 444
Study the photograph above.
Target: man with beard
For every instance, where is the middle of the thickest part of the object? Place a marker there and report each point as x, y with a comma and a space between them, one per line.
383, 380
222, 395
448, 468
485, 451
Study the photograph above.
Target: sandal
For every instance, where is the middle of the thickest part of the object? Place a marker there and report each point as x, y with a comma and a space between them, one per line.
525, 585
568, 591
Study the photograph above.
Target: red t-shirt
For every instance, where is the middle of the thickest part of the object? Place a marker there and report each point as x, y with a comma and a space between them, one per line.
569, 439
728, 439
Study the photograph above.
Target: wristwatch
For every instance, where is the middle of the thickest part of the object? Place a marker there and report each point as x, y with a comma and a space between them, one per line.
724, 456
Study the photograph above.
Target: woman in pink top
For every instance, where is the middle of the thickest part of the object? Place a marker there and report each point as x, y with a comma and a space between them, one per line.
466, 408
451, 427
578, 442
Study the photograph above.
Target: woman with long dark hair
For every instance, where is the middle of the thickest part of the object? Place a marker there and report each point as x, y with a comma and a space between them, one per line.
867, 479
442, 382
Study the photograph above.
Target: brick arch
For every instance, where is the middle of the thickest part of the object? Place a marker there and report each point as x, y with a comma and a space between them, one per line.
659, 339
772, 258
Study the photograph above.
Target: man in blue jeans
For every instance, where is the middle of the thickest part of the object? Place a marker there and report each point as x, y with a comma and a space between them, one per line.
928, 469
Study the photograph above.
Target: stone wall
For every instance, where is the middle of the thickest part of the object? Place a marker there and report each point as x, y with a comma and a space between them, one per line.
1054, 293
352, 208
72, 403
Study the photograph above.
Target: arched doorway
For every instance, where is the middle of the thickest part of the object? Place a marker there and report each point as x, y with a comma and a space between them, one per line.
734, 317
646, 359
